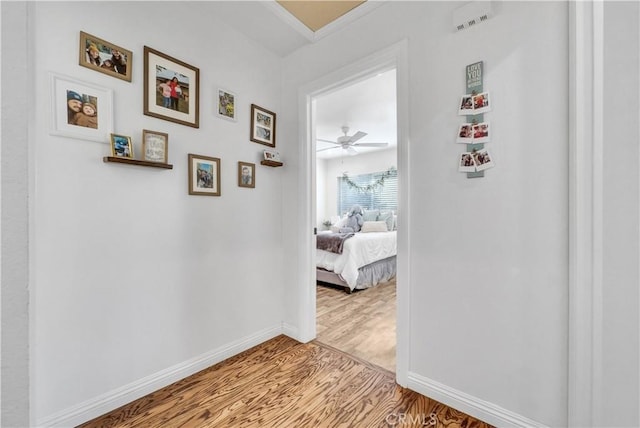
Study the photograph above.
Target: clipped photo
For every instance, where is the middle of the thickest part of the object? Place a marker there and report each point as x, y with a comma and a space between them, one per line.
483, 160
466, 162
481, 133
466, 105
465, 133
481, 103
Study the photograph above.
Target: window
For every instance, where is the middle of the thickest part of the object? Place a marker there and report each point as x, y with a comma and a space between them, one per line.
377, 190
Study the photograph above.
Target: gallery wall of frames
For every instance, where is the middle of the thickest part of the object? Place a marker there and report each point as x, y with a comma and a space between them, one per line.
84, 110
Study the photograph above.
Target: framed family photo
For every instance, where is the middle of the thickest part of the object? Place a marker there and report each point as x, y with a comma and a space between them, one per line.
105, 57
155, 146
226, 105
80, 110
247, 174
121, 146
171, 89
263, 126
204, 175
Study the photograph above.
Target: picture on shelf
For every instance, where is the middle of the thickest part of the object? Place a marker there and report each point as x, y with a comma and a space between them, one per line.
466, 162
171, 88
121, 146
105, 57
81, 110
226, 104
271, 155
246, 174
155, 146
204, 175
473, 133
263, 126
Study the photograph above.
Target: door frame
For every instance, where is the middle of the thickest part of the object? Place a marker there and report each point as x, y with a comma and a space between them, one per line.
395, 56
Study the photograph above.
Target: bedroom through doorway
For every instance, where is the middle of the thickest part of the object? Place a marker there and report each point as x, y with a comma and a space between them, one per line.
356, 183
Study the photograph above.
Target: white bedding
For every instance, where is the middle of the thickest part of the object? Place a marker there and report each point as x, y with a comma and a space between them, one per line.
361, 250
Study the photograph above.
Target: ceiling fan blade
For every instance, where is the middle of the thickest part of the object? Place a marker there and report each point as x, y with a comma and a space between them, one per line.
328, 148
371, 144
327, 141
351, 151
357, 136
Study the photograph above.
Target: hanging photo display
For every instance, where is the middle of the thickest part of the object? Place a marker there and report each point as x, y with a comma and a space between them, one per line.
473, 133
472, 104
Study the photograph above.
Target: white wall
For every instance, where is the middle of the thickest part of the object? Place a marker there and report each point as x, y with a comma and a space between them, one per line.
131, 274
620, 300
489, 276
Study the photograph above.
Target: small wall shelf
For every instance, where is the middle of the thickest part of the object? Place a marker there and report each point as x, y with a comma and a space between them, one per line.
271, 163
137, 162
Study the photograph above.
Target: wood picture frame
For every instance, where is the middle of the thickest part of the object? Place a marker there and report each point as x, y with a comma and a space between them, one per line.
204, 175
226, 105
155, 146
105, 57
68, 99
171, 89
247, 174
263, 126
121, 146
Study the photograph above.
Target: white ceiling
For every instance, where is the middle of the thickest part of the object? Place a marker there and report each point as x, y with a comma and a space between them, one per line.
367, 106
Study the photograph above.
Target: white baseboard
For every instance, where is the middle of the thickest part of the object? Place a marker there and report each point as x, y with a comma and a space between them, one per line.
102, 404
480, 409
290, 330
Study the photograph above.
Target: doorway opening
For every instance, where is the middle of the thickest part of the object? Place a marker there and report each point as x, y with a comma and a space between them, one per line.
356, 188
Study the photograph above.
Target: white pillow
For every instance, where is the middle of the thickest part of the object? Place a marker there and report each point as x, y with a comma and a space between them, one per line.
374, 226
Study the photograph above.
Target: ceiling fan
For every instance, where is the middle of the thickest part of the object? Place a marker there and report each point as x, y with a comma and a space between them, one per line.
348, 143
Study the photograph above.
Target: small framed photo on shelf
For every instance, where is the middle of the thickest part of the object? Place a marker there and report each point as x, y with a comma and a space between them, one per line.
80, 110
204, 175
271, 155
121, 146
155, 146
105, 57
226, 105
171, 89
263, 126
246, 174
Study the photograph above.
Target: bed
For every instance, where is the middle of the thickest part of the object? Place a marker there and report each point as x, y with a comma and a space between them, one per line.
367, 259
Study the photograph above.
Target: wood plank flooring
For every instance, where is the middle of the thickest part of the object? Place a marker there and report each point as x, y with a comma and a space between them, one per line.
283, 383
362, 323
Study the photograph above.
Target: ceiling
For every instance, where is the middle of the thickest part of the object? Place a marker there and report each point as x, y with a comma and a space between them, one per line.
286, 26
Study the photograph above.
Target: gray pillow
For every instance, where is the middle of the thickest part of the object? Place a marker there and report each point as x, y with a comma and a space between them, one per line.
370, 215
386, 216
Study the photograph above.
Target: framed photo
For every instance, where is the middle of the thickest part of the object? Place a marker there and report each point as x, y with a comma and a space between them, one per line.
121, 146
155, 146
80, 110
271, 155
226, 105
171, 89
105, 57
263, 126
246, 174
204, 175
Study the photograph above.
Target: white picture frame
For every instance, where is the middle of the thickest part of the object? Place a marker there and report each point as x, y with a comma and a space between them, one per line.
66, 93
226, 105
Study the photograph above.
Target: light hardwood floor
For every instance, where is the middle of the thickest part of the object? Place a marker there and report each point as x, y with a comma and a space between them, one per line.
362, 323
286, 384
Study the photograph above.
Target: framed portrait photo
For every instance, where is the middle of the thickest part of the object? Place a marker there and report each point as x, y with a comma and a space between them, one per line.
246, 174
155, 146
121, 146
226, 105
263, 126
171, 89
204, 175
80, 110
105, 57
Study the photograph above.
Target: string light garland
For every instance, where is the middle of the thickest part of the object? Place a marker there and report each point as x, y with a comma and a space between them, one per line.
370, 188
